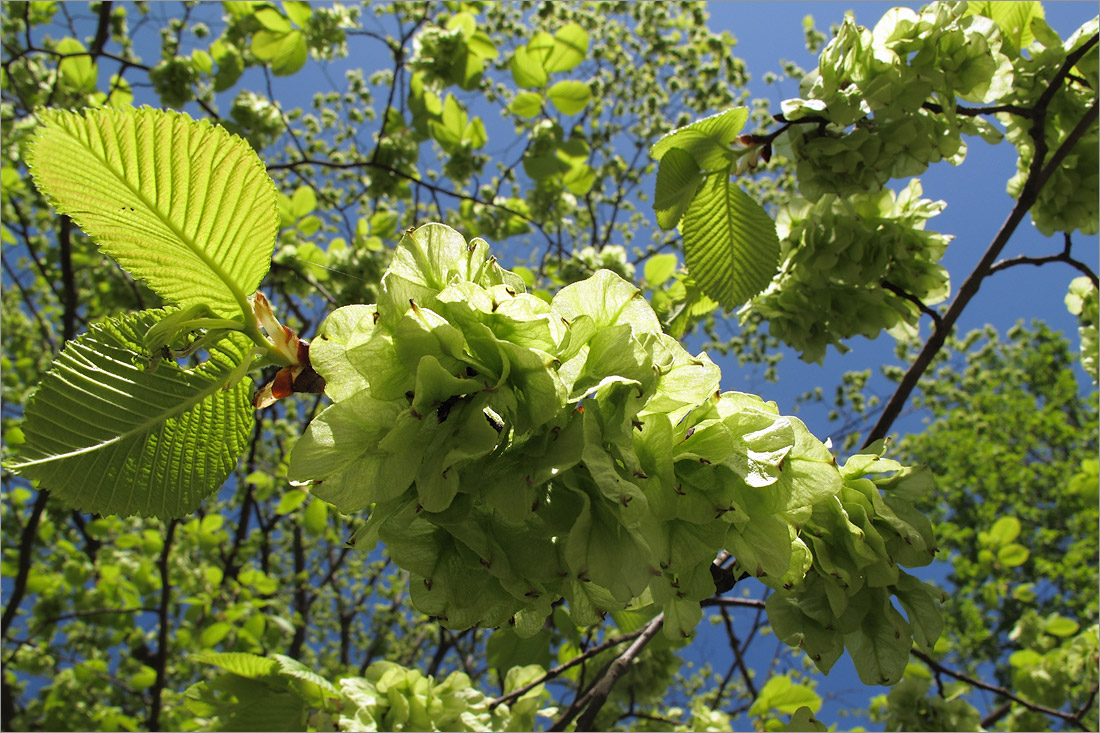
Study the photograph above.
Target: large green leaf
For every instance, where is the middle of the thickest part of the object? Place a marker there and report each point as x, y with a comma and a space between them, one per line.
180, 203
107, 433
730, 243
570, 48
708, 140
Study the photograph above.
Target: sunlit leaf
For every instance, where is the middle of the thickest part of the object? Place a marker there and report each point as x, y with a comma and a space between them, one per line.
107, 433
204, 237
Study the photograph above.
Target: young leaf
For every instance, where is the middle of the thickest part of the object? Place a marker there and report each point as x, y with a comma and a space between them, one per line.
287, 52
78, 71
570, 96
730, 243
106, 433
570, 48
527, 70
707, 140
203, 237
526, 104
659, 268
784, 696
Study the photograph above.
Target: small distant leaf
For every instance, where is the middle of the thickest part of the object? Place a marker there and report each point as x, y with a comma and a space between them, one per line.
303, 202
213, 634
286, 52
526, 104
706, 140
78, 71
465, 21
107, 435
527, 71
1012, 555
273, 20
315, 521
659, 268
570, 97
1061, 626
250, 666
203, 238
579, 179
782, 695
570, 48
298, 11
678, 178
290, 501
730, 243
1004, 530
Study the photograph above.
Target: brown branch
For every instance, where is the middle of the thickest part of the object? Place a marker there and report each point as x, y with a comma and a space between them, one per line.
887, 285
68, 281
26, 547
1063, 256
103, 29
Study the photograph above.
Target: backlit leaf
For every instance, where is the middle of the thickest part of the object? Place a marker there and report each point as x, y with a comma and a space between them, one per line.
730, 243
179, 203
108, 435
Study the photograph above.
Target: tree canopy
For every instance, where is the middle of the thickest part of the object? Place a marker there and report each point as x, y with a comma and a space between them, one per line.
375, 401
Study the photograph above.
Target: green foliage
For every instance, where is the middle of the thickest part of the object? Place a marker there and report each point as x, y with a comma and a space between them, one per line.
200, 239
729, 240
113, 430
279, 693
1082, 301
109, 431
575, 451
1007, 425
837, 257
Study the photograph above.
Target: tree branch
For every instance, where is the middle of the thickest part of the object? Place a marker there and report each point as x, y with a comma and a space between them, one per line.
26, 547
887, 285
1063, 256
1038, 173
161, 658
552, 673
596, 696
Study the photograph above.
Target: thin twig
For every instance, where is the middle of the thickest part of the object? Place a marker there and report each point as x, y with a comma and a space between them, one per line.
552, 673
1002, 692
1063, 256
163, 631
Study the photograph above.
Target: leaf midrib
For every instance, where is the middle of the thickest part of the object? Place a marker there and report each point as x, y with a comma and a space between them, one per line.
189, 242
